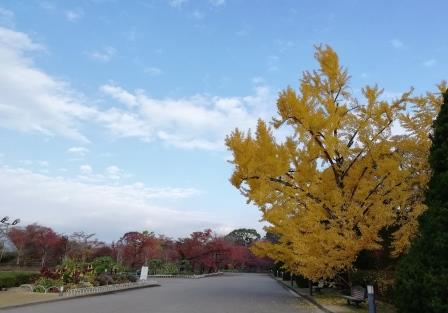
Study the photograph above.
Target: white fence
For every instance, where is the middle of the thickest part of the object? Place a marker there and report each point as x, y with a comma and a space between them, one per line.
88, 290
104, 289
187, 276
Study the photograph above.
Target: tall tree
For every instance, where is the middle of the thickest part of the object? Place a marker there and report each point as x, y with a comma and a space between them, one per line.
138, 247
338, 179
19, 237
43, 241
421, 284
243, 236
82, 245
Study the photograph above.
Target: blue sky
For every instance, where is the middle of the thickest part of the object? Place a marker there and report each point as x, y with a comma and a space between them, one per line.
113, 113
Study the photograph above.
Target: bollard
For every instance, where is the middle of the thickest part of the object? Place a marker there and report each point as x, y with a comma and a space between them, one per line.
61, 291
371, 299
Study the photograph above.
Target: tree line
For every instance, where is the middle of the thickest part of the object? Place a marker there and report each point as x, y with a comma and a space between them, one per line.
200, 252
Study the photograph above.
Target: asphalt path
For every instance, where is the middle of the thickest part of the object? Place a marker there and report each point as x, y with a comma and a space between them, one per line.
231, 293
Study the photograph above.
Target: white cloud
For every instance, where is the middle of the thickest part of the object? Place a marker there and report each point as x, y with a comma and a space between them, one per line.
429, 63
177, 3
114, 172
33, 101
153, 71
217, 3
200, 121
104, 55
38, 163
85, 169
78, 151
111, 174
396, 43
6, 17
73, 15
43, 163
107, 210
30, 99
119, 94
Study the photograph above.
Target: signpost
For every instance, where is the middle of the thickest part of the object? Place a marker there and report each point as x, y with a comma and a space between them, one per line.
144, 273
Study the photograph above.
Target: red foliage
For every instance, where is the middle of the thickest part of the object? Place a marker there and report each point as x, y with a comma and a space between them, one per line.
204, 251
37, 243
44, 239
135, 248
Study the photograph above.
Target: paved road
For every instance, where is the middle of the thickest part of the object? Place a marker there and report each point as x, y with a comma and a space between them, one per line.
231, 293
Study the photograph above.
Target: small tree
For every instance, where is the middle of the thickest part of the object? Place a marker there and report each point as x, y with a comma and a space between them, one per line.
422, 277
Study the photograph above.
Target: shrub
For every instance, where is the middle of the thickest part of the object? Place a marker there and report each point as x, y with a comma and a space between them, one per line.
301, 281
383, 281
15, 279
155, 265
104, 279
47, 283
170, 268
103, 264
124, 278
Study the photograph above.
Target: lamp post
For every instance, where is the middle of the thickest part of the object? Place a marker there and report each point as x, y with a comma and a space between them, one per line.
4, 229
371, 299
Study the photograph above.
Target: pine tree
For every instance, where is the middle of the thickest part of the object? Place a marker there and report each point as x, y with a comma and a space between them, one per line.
422, 277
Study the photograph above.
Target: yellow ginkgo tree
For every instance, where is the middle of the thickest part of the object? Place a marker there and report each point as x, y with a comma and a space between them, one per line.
341, 176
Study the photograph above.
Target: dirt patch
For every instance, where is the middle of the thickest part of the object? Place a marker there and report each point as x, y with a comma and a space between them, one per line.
15, 296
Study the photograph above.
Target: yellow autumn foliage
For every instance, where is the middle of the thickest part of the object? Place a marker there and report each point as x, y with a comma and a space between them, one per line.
341, 176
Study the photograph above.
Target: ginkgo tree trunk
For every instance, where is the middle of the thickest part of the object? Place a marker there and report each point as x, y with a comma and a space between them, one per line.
340, 176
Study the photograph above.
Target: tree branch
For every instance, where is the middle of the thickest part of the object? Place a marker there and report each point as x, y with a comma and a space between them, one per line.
357, 184
364, 149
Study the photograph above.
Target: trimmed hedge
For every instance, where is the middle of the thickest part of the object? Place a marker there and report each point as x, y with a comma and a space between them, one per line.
15, 279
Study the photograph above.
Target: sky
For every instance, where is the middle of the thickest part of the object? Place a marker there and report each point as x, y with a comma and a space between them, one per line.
113, 114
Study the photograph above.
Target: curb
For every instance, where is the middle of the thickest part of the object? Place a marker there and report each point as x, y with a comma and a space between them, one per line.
305, 296
76, 297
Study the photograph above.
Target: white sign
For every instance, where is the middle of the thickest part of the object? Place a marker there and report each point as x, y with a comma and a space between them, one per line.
144, 273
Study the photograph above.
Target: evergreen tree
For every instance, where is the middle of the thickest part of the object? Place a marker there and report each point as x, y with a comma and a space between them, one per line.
422, 277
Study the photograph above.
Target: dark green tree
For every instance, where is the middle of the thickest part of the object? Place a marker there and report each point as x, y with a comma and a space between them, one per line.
243, 236
422, 277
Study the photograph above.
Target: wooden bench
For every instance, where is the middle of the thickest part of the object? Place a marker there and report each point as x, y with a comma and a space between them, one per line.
358, 295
